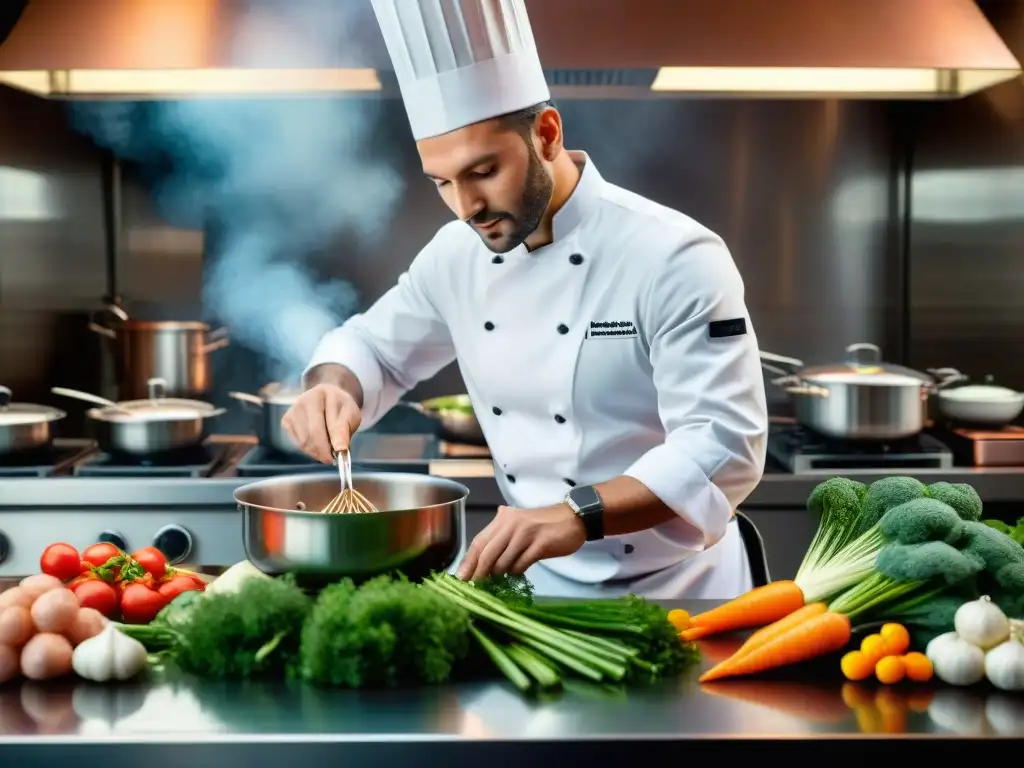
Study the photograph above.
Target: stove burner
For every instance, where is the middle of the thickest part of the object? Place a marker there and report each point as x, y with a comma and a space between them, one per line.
370, 453
200, 461
800, 450
52, 460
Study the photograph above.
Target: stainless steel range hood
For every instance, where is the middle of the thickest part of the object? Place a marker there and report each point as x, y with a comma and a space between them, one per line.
906, 49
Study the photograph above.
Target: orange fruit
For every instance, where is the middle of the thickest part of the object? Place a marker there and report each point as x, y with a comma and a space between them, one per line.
890, 670
856, 666
897, 638
919, 668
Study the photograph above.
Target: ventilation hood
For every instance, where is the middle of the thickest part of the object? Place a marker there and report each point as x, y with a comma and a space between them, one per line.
903, 49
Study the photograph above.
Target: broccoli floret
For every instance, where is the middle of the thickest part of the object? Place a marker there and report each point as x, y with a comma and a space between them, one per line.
960, 496
920, 520
882, 495
1011, 578
920, 562
996, 550
837, 493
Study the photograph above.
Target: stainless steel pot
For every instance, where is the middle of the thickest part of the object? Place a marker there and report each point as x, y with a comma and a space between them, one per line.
860, 399
269, 407
982, 405
147, 428
419, 528
173, 351
25, 426
456, 417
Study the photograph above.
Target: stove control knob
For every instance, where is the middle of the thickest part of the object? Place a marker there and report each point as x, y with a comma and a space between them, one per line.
174, 541
5, 547
115, 538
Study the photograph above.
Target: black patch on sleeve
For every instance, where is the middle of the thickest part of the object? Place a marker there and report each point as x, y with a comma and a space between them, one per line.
723, 329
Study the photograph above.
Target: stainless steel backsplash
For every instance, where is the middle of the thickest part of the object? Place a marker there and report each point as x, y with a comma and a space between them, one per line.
806, 194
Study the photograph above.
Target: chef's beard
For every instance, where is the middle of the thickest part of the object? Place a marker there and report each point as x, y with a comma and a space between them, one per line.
537, 192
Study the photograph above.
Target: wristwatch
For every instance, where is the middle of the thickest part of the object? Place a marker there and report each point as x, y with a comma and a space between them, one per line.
587, 504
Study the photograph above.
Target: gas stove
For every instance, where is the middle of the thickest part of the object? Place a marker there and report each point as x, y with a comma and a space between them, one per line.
201, 461
57, 459
370, 453
799, 450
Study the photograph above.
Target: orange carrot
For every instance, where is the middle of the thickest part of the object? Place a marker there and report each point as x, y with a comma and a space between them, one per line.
759, 606
769, 633
695, 633
780, 627
825, 633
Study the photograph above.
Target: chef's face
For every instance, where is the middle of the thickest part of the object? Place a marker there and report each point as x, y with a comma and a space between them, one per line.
493, 177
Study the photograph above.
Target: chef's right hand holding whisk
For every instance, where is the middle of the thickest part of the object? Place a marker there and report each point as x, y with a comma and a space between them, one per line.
323, 419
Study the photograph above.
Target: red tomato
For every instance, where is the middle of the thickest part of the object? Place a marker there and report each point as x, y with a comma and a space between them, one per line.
152, 560
97, 594
61, 560
99, 554
176, 585
140, 604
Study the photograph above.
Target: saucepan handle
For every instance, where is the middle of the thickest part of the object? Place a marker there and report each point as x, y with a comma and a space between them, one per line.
944, 377
793, 384
215, 340
246, 398
792, 363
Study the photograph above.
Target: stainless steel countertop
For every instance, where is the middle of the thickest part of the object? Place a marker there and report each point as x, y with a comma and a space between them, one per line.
776, 489
812, 703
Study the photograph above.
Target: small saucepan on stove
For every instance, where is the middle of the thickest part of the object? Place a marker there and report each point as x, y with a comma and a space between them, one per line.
862, 398
269, 407
141, 428
25, 426
981, 405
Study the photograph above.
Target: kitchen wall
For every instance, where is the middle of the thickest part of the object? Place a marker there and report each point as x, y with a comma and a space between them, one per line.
966, 291
807, 195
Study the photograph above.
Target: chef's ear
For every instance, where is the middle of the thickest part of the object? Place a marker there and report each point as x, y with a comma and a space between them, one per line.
548, 127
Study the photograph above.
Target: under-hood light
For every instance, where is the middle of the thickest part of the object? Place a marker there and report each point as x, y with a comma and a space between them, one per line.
862, 82
185, 83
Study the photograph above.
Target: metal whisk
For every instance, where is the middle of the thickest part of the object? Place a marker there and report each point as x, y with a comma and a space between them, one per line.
349, 501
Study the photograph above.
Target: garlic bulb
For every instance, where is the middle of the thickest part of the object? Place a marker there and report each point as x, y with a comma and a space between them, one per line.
981, 623
110, 655
955, 660
1004, 666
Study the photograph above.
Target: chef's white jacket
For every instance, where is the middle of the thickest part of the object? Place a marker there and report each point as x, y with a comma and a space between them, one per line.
623, 347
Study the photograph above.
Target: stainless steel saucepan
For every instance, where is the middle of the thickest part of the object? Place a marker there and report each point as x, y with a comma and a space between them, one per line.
419, 528
148, 427
269, 407
25, 426
863, 398
174, 351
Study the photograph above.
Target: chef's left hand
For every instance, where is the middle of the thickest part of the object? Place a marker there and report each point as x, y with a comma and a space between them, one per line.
518, 538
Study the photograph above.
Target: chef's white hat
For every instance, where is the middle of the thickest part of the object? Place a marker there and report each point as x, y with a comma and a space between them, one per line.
461, 61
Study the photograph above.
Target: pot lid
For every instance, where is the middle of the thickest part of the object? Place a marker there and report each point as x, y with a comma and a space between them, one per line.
980, 392
12, 414
28, 413
875, 374
164, 409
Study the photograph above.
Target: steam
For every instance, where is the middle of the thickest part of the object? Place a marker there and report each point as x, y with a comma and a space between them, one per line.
280, 180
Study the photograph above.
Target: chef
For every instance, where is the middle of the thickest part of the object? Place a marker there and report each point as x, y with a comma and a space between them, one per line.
603, 338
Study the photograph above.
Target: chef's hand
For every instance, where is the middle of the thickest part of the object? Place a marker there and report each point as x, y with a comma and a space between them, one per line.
323, 418
518, 538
